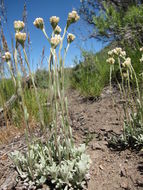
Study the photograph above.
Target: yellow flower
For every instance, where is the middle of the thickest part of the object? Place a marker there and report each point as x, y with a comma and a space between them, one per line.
20, 37
54, 20
39, 23
72, 17
70, 38
55, 41
7, 56
110, 60
18, 25
57, 30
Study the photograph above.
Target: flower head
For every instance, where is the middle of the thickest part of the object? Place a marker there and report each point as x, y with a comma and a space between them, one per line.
141, 49
72, 17
127, 62
55, 41
70, 38
39, 23
20, 37
110, 53
18, 25
7, 56
54, 20
117, 51
123, 54
110, 60
57, 30
125, 75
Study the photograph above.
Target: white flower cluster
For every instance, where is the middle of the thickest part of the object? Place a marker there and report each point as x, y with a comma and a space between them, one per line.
18, 25
54, 20
117, 51
70, 38
55, 41
110, 60
7, 56
19, 36
72, 17
127, 62
39, 23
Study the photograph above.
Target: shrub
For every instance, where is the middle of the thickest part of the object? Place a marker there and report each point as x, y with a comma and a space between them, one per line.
91, 73
41, 78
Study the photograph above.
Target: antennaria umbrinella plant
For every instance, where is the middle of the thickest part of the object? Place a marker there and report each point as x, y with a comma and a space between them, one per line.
133, 103
58, 160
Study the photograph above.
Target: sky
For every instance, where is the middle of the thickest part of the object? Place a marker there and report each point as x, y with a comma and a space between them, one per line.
46, 9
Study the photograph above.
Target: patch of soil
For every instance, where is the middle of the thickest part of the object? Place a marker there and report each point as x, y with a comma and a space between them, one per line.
93, 122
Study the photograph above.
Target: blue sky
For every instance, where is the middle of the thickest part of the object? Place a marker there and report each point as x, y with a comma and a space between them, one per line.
46, 9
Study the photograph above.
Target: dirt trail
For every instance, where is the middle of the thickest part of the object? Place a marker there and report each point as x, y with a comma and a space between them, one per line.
93, 122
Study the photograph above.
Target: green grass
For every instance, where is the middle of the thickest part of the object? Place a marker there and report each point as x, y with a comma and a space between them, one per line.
15, 112
91, 74
6, 90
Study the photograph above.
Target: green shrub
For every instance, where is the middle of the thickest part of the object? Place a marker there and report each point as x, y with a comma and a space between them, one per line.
41, 78
91, 74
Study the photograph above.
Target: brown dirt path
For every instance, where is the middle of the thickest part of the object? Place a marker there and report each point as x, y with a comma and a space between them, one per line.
94, 121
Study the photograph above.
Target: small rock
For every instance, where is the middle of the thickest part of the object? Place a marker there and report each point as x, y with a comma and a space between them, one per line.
101, 167
124, 185
126, 161
123, 172
97, 146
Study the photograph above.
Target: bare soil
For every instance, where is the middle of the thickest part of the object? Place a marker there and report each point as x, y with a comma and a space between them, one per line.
93, 122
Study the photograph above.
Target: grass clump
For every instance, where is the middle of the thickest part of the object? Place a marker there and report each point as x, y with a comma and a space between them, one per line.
91, 73
41, 78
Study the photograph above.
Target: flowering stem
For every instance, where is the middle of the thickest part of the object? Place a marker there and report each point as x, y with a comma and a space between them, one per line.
46, 35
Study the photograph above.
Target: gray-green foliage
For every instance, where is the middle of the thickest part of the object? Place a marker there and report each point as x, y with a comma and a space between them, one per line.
66, 174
